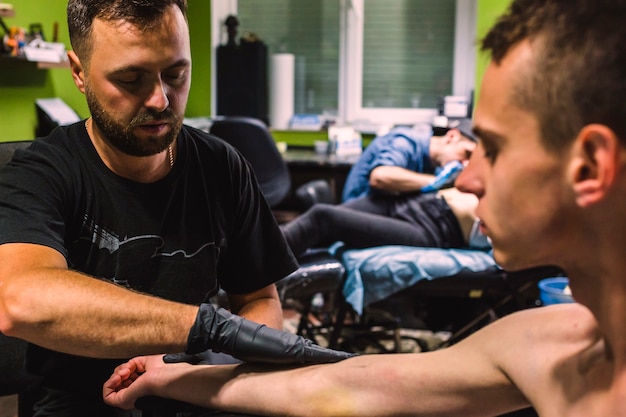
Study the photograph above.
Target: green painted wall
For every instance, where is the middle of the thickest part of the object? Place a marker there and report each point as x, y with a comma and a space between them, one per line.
487, 13
21, 85
199, 16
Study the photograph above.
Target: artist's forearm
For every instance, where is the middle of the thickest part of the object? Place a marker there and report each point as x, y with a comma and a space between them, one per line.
265, 311
67, 311
262, 307
394, 179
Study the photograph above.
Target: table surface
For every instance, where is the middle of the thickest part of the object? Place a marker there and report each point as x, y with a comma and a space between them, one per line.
308, 156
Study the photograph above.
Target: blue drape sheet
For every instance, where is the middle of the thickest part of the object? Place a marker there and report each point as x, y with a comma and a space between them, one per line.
376, 273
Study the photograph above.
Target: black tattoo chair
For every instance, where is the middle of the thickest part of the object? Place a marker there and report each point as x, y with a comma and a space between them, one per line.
7, 149
386, 290
14, 379
254, 141
252, 138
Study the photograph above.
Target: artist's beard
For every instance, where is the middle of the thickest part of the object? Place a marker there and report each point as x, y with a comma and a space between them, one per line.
121, 136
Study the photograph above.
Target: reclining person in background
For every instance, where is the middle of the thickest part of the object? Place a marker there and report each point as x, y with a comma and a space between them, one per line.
446, 219
388, 203
407, 159
552, 130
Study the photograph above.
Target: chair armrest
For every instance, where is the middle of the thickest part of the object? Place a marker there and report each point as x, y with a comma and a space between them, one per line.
314, 191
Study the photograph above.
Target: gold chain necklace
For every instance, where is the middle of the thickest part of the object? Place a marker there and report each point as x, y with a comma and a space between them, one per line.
170, 155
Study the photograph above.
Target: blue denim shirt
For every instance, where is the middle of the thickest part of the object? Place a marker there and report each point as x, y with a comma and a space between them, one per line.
404, 147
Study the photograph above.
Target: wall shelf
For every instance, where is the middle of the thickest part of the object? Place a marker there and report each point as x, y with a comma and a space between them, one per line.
50, 65
7, 61
6, 10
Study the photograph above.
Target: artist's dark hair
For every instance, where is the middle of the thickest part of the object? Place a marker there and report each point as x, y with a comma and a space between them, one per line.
578, 70
141, 13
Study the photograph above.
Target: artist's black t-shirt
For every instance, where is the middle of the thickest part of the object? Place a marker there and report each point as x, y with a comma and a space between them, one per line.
203, 227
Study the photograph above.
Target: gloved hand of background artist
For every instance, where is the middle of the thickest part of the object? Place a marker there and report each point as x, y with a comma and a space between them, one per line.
445, 177
221, 331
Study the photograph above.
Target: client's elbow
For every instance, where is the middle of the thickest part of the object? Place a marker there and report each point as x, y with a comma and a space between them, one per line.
378, 179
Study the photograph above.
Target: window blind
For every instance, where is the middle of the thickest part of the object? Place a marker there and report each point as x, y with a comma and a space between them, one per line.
408, 52
310, 31
408, 49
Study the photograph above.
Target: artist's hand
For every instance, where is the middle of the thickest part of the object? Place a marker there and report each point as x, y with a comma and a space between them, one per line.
450, 171
139, 377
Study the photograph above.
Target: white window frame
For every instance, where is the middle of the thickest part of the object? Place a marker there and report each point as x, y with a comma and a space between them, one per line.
350, 96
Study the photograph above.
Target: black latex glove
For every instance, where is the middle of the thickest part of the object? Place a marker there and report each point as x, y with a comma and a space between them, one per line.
208, 357
221, 331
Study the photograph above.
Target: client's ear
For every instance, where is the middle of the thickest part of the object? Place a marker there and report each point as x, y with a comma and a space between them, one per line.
594, 163
453, 135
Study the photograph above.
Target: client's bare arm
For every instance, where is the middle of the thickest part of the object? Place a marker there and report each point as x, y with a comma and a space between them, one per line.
490, 373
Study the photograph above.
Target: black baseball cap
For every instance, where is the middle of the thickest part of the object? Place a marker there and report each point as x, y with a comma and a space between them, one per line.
464, 126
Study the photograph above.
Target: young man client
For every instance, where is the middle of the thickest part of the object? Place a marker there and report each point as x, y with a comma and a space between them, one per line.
551, 128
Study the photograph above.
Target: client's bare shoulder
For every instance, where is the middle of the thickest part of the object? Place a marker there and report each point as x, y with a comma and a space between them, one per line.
555, 355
